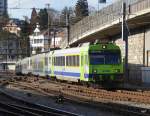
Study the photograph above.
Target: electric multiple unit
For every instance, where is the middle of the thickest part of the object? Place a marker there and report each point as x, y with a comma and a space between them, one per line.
90, 63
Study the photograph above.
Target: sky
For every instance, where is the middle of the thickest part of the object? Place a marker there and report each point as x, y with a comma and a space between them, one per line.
56, 4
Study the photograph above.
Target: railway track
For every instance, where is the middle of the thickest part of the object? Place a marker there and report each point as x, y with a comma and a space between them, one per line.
80, 91
20, 107
91, 93
88, 94
111, 107
32, 110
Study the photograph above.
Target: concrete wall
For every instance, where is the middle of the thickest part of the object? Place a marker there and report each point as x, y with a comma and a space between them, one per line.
136, 45
139, 45
10, 66
147, 47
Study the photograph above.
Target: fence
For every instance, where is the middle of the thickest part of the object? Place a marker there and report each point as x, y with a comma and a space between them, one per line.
139, 76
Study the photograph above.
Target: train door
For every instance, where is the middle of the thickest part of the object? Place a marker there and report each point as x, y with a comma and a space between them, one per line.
63, 65
52, 66
82, 66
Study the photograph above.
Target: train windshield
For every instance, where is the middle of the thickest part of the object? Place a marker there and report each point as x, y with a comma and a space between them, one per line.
104, 57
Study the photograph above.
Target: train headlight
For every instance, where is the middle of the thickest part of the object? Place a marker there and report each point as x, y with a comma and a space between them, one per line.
104, 46
117, 70
94, 71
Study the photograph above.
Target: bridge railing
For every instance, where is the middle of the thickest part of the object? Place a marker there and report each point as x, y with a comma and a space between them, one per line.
105, 16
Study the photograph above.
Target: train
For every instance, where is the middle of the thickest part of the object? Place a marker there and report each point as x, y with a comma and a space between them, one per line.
95, 63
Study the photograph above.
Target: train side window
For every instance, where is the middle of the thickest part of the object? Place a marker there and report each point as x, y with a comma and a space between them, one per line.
69, 60
74, 58
63, 61
81, 60
59, 58
49, 60
72, 62
31, 62
46, 61
54, 60
86, 59
57, 61
66, 60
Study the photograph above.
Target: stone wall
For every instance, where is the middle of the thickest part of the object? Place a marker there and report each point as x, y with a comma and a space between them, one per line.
135, 53
139, 45
147, 47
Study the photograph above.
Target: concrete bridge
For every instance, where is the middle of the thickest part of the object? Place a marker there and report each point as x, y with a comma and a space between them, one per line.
107, 22
105, 25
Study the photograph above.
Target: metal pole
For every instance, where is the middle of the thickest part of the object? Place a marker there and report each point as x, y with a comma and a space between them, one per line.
68, 26
54, 36
98, 6
125, 36
48, 6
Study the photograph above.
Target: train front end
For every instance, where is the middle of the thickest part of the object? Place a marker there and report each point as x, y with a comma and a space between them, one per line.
105, 63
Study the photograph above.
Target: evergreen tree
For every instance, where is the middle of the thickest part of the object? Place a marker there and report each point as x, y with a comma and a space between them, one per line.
3, 20
81, 9
26, 29
43, 19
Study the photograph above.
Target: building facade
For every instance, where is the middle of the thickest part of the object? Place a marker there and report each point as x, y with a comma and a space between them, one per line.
41, 42
3, 7
13, 26
11, 50
37, 41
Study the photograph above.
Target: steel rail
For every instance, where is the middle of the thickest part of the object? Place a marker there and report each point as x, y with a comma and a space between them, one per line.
33, 109
18, 111
114, 107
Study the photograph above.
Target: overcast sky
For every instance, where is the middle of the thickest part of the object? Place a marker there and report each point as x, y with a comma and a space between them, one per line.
56, 4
